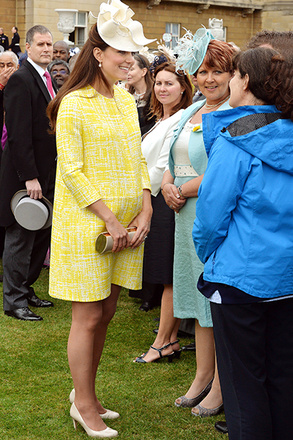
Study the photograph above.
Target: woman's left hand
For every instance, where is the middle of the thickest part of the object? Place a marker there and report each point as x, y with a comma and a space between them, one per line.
142, 221
172, 197
143, 224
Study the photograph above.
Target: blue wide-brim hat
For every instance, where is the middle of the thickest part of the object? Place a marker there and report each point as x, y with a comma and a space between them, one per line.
191, 50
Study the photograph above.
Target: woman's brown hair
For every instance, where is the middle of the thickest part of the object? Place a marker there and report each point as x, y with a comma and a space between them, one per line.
270, 77
278, 40
186, 97
143, 63
85, 72
219, 54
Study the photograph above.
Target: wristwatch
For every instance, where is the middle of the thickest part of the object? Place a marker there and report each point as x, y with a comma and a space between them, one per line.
180, 192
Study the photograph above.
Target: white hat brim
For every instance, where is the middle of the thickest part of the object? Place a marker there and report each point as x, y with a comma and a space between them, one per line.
117, 28
23, 193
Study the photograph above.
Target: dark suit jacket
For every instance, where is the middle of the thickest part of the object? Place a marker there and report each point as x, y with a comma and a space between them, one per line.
4, 42
1, 120
31, 151
14, 46
1, 113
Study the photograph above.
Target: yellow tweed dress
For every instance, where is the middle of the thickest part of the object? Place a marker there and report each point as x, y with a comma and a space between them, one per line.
99, 157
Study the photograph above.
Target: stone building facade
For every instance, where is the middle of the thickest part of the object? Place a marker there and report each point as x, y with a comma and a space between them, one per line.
241, 18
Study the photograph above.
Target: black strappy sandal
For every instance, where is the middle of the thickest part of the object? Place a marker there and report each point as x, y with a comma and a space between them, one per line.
169, 356
177, 353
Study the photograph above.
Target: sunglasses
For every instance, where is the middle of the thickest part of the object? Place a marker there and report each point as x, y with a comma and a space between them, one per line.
63, 72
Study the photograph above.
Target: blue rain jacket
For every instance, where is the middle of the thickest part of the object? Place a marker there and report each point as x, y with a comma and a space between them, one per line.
243, 230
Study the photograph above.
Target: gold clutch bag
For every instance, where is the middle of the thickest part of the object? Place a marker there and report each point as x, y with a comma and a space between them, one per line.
104, 241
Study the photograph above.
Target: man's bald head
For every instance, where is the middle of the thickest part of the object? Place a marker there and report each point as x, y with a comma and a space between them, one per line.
60, 51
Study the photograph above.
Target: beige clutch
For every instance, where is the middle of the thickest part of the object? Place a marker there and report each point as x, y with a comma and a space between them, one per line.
104, 241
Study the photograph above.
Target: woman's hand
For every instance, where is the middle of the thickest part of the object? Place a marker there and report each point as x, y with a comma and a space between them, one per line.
142, 221
119, 234
172, 197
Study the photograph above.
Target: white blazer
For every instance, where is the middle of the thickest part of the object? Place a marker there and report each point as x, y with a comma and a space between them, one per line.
155, 148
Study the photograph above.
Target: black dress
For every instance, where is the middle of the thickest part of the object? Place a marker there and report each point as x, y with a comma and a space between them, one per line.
146, 122
159, 246
158, 255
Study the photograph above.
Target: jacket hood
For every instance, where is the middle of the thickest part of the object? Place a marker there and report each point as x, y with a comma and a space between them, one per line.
272, 143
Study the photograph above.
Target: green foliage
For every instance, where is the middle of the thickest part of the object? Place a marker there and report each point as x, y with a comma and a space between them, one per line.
35, 378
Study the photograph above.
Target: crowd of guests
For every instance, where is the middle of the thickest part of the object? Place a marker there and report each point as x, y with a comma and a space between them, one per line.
14, 46
193, 151
11, 59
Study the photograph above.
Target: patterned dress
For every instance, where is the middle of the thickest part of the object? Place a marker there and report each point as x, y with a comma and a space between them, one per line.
187, 160
187, 300
99, 157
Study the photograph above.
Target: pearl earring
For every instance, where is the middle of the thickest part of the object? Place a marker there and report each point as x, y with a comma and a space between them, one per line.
100, 64
181, 93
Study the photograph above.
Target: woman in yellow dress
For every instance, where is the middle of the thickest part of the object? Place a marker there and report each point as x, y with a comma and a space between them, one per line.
102, 185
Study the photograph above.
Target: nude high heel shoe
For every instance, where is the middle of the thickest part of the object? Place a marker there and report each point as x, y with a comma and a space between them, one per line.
105, 433
185, 402
107, 415
72, 396
201, 411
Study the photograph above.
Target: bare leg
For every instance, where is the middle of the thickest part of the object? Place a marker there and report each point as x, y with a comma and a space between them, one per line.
85, 345
206, 368
168, 327
109, 309
214, 398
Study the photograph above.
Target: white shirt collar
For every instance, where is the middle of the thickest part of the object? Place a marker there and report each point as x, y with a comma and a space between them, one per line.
38, 68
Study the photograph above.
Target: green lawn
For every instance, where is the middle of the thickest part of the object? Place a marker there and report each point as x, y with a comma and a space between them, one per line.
35, 379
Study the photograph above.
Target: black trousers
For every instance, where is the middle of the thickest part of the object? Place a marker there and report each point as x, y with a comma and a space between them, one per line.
23, 258
254, 345
2, 238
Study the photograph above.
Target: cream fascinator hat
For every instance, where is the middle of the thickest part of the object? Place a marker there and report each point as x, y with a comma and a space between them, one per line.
191, 50
117, 28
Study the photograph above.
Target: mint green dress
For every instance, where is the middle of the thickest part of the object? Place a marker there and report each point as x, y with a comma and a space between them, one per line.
188, 159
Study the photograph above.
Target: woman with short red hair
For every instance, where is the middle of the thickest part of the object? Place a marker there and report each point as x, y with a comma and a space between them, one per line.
211, 61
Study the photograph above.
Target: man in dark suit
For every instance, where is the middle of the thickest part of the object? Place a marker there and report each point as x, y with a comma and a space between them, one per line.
8, 65
14, 46
28, 162
4, 42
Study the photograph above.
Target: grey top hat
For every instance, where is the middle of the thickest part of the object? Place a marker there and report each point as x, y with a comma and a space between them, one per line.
29, 213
